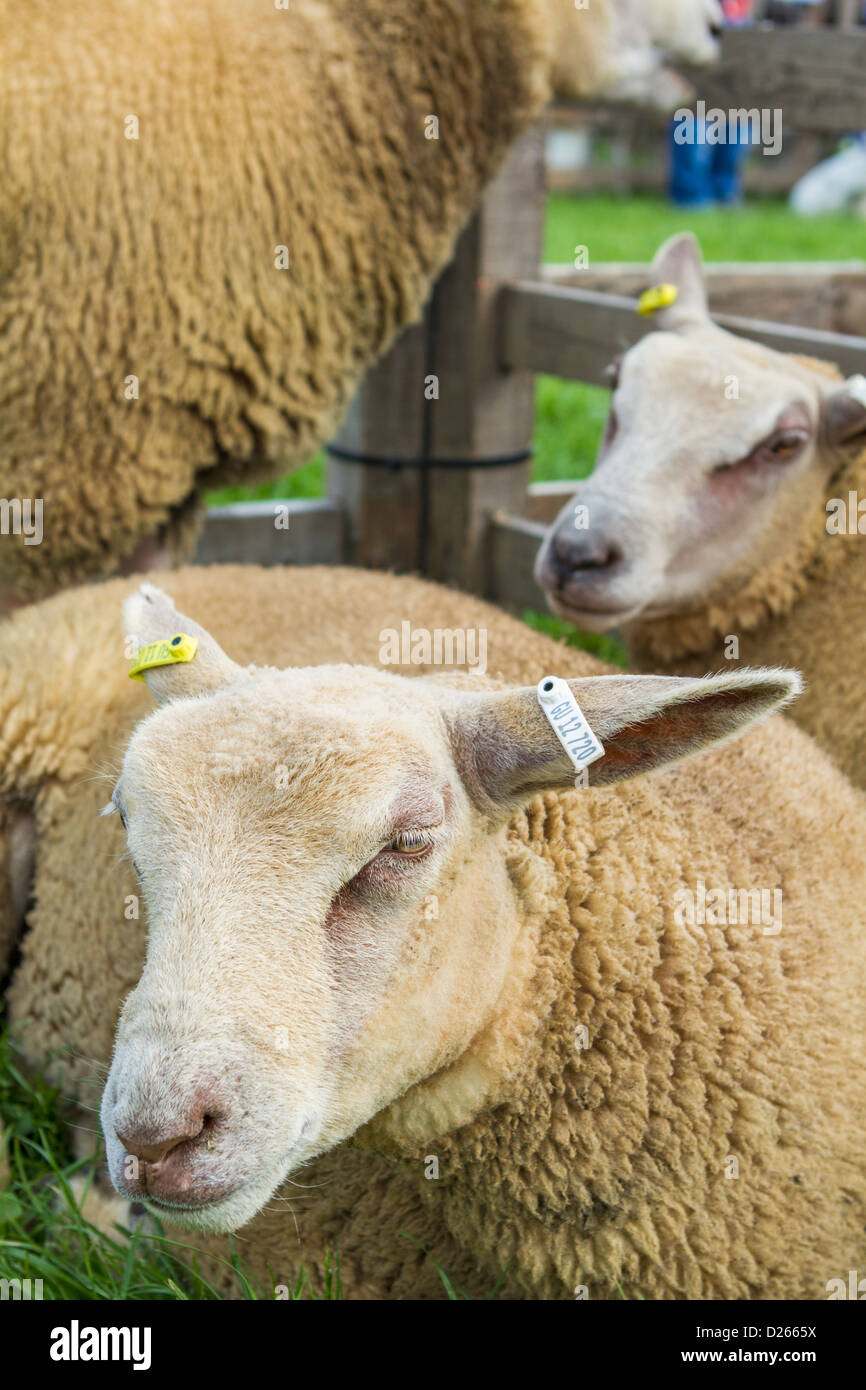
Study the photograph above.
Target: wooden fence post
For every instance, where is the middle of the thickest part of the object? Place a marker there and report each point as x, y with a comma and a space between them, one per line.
482, 413
847, 14
441, 395
381, 506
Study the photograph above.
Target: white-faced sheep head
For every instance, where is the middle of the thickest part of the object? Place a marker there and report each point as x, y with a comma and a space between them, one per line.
686, 31
717, 453
291, 831
617, 50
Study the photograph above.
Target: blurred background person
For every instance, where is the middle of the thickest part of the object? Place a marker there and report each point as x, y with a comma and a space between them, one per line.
702, 174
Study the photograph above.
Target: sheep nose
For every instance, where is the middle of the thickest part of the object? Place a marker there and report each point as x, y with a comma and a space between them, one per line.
584, 550
155, 1150
164, 1159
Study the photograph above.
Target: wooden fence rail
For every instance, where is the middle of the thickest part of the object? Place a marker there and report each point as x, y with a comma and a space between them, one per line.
574, 333
297, 531
806, 294
814, 76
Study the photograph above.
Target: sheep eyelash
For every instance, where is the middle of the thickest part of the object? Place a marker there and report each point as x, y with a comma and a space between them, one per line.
112, 806
419, 842
113, 802
767, 444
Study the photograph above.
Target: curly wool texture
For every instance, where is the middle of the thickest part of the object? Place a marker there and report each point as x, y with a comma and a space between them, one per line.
803, 611
607, 1165
155, 257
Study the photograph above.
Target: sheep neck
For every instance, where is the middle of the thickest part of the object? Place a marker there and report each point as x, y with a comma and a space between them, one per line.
556, 1078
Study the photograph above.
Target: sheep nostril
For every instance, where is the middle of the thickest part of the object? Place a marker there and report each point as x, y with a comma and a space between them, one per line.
154, 1150
603, 560
586, 553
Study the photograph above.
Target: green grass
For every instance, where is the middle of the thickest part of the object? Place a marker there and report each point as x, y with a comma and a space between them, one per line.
569, 423
600, 644
632, 229
308, 481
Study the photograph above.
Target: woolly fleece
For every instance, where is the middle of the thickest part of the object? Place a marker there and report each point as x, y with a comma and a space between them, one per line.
155, 256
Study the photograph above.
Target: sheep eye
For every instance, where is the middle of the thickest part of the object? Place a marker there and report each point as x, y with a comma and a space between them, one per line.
122, 814
410, 843
778, 447
785, 445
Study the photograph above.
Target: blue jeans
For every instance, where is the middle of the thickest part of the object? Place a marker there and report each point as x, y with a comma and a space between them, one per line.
705, 174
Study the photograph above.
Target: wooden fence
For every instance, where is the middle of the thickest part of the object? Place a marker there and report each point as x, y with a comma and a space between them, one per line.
430, 472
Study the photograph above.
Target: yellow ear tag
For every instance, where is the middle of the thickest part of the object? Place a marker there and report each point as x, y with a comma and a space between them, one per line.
655, 298
163, 653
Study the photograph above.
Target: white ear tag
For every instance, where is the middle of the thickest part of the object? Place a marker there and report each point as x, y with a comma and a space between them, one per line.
569, 723
856, 388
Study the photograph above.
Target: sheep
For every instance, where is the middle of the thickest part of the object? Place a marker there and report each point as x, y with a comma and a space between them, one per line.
687, 31
544, 1052
722, 523
213, 219
615, 50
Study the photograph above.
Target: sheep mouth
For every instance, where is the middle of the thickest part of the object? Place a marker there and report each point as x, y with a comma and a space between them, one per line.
593, 617
193, 1214
234, 1208
158, 1204
170, 1206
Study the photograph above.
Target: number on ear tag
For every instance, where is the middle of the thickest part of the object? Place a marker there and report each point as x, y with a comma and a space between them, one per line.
166, 652
569, 722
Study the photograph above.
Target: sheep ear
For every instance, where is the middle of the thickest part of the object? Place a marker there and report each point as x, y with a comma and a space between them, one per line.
678, 262
149, 615
845, 412
507, 751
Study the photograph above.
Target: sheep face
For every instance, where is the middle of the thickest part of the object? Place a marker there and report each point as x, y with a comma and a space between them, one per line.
615, 50
299, 857
332, 923
685, 30
716, 460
